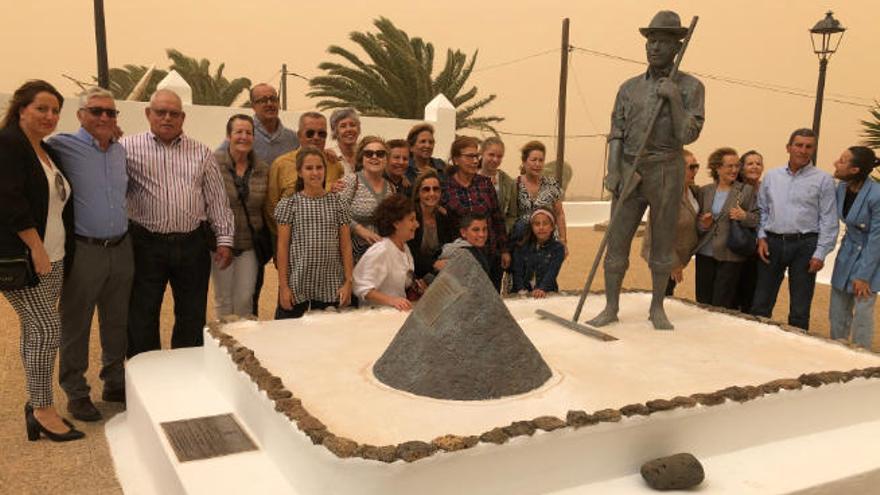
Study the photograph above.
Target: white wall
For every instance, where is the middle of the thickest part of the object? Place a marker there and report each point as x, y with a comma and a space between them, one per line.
208, 123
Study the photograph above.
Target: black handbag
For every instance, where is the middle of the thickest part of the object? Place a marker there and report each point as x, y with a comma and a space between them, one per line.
742, 240
17, 272
262, 239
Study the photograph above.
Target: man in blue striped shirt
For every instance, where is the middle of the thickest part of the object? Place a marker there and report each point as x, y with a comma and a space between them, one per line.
102, 265
798, 229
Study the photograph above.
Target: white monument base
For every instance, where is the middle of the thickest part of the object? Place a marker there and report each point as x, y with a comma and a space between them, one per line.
812, 440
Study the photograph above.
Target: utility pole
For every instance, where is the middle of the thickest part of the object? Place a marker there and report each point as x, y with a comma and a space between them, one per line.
101, 45
283, 87
563, 92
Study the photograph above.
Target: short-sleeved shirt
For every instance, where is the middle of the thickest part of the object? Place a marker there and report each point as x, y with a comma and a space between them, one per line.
315, 270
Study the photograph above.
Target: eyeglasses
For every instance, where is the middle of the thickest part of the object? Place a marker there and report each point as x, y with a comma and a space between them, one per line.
694, 166
162, 113
469, 156
375, 153
266, 99
60, 187
430, 189
97, 111
310, 133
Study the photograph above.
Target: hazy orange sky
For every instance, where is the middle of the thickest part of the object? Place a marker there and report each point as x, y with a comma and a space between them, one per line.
765, 41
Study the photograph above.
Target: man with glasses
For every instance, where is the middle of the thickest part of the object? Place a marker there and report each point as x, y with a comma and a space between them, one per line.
282, 174
271, 138
174, 188
101, 267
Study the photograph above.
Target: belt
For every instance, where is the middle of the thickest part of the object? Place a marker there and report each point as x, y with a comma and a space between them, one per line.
654, 156
104, 243
793, 237
141, 231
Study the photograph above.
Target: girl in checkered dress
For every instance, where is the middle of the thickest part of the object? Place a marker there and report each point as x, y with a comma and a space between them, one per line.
314, 243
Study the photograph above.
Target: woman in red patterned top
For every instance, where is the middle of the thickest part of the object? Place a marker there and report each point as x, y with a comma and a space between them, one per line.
465, 191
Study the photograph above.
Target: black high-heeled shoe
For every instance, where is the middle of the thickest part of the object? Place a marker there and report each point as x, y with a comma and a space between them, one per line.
35, 428
29, 408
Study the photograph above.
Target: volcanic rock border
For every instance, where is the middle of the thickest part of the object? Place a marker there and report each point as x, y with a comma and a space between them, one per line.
414, 450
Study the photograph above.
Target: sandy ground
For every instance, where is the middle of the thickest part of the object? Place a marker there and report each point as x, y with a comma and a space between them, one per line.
86, 467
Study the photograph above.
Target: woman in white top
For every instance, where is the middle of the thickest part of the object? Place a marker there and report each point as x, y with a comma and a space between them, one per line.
386, 270
36, 223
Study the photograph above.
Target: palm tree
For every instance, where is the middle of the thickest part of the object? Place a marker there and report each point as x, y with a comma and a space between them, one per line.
398, 81
207, 89
871, 132
123, 80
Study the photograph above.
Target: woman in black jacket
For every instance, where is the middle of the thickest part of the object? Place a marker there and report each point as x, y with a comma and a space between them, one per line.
435, 227
37, 222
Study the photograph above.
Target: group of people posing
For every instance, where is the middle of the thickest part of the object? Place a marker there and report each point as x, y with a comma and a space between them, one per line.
748, 230
99, 221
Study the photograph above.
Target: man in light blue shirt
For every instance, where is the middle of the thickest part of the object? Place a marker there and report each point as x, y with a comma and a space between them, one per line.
102, 265
798, 229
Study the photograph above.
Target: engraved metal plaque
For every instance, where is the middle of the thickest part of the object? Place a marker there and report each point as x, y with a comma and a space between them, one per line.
442, 294
207, 437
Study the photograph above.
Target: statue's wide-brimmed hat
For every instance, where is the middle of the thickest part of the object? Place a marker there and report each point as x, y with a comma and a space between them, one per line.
665, 21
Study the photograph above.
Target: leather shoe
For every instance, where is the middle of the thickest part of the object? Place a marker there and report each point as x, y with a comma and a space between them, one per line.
114, 395
83, 409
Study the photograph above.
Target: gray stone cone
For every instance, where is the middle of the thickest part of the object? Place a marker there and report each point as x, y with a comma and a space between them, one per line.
461, 342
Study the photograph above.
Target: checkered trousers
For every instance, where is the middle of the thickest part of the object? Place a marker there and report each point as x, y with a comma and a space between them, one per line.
37, 309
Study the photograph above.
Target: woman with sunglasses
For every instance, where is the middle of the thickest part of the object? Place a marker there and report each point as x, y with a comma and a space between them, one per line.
435, 227
364, 190
37, 226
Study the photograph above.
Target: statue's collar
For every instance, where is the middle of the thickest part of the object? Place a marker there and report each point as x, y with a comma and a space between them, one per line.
658, 72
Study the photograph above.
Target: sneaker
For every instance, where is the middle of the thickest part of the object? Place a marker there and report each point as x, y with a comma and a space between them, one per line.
83, 409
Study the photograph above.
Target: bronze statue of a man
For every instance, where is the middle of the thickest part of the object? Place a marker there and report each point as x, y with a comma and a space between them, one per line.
659, 172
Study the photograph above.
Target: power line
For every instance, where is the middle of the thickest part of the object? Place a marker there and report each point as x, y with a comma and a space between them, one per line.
740, 82
568, 136
517, 60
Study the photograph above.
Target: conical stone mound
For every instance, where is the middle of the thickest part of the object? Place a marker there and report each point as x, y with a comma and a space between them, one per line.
461, 342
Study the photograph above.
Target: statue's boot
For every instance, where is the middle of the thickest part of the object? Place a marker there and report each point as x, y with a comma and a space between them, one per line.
613, 283
657, 315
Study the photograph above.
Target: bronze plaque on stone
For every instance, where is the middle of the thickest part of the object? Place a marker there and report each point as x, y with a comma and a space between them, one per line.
443, 293
207, 437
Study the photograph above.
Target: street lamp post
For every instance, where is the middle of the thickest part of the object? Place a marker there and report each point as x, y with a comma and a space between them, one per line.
825, 36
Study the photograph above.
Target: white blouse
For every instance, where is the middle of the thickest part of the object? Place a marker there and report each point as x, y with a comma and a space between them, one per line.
53, 241
384, 268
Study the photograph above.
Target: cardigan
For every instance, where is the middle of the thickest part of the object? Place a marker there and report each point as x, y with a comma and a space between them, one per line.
24, 193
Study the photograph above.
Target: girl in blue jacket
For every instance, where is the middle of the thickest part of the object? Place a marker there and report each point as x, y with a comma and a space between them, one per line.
538, 257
